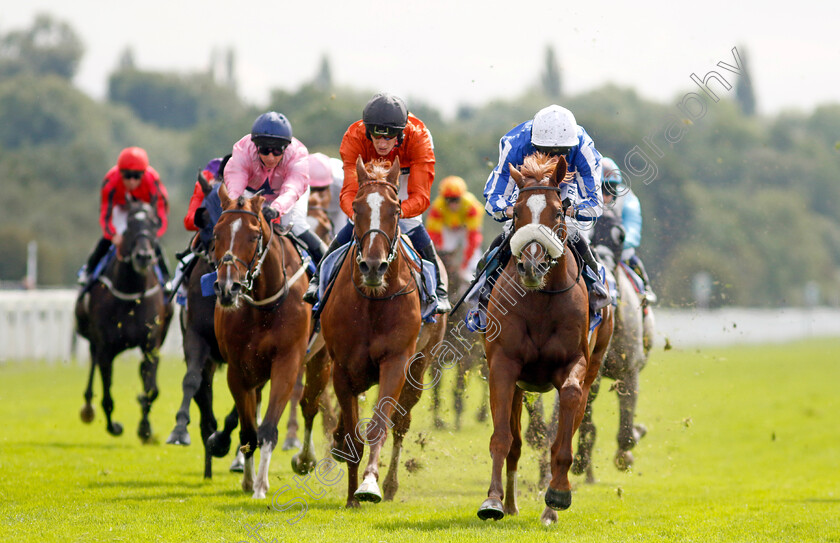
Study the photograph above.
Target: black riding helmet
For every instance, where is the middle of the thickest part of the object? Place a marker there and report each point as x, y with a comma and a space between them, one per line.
385, 114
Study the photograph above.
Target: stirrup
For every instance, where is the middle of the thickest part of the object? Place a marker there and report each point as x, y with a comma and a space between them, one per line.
443, 304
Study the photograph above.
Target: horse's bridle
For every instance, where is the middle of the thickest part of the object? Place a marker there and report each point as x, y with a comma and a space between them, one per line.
393, 247
551, 261
392, 242
253, 268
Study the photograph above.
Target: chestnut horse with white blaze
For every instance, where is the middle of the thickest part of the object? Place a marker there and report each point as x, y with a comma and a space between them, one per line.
538, 336
261, 323
371, 323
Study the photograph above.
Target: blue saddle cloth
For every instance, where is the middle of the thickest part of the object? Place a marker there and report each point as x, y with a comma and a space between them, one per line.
428, 302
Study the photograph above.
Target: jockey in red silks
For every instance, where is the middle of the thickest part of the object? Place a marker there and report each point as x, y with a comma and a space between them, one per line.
387, 131
132, 176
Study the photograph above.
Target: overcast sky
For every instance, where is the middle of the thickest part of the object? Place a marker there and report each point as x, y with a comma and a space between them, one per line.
449, 53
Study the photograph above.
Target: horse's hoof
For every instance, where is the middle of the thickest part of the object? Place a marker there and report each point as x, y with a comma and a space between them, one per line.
337, 457
548, 517
87, 414
439, 424
578, 466
559, 500
291, 443
353, 503
115, 429
144, 430
491, 508
302, 467
218, 444
238, 464
368, 491
179, 436
624, 460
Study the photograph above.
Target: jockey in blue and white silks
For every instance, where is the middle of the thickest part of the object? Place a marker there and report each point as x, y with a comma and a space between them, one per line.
555, 132
628, 206
584, 162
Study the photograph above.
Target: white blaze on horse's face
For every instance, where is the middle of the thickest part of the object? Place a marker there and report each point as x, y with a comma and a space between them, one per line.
234, 228
536, 203
374, 201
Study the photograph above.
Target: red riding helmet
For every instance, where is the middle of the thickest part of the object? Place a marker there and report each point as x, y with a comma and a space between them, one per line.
133, 158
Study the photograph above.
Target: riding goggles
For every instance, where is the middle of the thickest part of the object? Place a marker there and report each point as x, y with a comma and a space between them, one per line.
553, 151
266, 150
132, 174
387, 132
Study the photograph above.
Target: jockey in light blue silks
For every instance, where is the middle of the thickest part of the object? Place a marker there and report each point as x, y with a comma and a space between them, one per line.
618, 195
555, 132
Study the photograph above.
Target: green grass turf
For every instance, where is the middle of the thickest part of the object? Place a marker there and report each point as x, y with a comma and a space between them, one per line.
743, 444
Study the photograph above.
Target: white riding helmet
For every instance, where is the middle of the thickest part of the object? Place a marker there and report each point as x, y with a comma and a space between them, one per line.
554, 126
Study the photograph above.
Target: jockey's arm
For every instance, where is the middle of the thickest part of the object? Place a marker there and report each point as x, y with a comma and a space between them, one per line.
587, 163
296, 180
162, 196
421, 174
499, 188
434, 222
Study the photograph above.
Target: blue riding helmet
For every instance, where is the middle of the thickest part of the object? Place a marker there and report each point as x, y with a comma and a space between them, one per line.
272, 129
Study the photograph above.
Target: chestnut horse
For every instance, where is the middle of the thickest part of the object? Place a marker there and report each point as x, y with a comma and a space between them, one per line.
371, 323
538, 336
261, 323
126, 308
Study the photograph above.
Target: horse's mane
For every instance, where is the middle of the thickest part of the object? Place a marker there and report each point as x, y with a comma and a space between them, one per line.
378, 168
538, 166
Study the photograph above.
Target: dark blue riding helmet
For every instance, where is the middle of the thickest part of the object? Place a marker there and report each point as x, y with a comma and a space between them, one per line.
272, 129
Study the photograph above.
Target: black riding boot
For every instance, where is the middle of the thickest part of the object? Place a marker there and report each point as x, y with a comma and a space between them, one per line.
599, 296
164, 271
443, 305
314, 245
311, 294
98, 253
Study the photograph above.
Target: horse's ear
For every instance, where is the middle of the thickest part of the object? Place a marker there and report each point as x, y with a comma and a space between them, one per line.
361, 172
223, 196
559, 172
517, 176
394, 173
257, 202
205, 186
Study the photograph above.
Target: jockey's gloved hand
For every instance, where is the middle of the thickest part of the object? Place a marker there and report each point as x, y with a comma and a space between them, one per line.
270, 213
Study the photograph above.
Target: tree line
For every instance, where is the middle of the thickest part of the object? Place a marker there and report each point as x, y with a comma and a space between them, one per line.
750, 200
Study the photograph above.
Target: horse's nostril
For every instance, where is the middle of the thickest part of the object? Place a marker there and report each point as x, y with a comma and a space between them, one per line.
382, 268
236, 288
364, 268
216, 287
520, 267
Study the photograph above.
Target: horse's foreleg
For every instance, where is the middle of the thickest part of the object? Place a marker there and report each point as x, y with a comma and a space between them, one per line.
87, 412
459, 388
148, 373
391, 381
246, 405
514, 453
207, 423
586, 437
291, 441
628, 432
502, 391
105, 361
317, 375
196, 353
573, 389
278, 397
346, 444
409, 397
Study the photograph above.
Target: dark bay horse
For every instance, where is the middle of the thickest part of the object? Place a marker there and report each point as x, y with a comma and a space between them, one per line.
625, 358
538, 336
261, 323
126, 308
371, 323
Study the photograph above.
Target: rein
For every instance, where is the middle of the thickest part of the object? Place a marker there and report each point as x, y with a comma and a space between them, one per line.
253, 271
